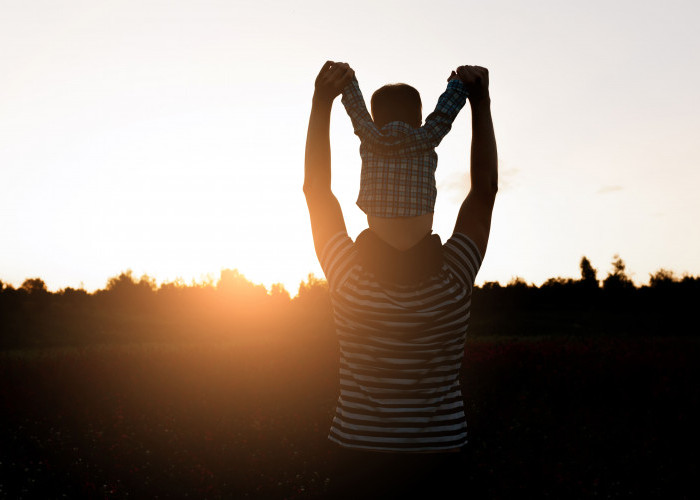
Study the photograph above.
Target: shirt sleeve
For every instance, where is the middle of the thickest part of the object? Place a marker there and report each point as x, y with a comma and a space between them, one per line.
427, 137
362, 122
336, 259
463, 257
439, 122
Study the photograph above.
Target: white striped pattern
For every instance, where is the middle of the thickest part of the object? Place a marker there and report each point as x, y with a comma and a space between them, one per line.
401, 349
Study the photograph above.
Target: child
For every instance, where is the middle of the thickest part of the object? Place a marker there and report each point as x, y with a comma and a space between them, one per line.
397, 185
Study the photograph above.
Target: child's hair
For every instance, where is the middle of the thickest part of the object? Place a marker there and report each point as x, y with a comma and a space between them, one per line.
397, 102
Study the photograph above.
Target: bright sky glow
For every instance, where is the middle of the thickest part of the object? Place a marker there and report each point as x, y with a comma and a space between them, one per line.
168, 136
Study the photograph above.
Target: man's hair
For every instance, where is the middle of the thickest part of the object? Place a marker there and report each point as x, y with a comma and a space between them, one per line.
397, 102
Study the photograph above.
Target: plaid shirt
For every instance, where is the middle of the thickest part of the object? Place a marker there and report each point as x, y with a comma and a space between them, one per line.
399, 161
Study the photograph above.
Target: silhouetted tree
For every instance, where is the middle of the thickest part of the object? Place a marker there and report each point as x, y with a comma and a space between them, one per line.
313, 287
518, 283
617, 279
558, 283
73, 294
126, 281
589, 275
313, 298
34, 286
238, 288
126, 292
662, 278
233, 307
491, 285
278, 293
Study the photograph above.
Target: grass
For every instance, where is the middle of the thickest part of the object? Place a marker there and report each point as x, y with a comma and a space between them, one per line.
559, 417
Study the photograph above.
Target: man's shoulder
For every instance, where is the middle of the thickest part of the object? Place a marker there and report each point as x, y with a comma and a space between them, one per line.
463, 256
465, 245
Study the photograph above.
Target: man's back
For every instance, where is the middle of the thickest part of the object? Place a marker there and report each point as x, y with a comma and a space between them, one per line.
401, 347
385, 352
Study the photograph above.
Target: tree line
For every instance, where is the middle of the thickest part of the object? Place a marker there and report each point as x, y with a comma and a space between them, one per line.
233, 308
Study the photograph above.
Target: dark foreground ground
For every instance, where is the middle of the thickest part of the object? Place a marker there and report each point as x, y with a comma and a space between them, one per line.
557, 418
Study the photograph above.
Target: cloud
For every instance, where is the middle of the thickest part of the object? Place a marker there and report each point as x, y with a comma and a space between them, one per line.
456, 186
609, 189
506, 178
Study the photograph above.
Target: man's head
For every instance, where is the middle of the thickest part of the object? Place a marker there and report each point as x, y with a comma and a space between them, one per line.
397, 102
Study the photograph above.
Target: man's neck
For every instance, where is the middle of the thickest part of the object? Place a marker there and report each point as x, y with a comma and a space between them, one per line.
401, 233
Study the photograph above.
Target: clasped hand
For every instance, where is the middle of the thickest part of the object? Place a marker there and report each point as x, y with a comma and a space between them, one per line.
475, 78
332, 78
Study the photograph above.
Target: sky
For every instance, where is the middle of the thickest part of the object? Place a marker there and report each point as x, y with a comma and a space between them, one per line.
167, 137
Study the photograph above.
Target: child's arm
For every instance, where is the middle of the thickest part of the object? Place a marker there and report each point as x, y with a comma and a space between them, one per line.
362, 122
439, 122
436, 126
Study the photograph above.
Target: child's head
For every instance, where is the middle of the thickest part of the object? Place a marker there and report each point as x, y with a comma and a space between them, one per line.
397, 102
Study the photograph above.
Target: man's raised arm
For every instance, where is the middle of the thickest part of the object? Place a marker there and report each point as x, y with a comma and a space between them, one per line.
474, 217
324, 209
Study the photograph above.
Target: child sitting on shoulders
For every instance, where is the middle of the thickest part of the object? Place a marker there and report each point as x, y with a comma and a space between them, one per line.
397, 184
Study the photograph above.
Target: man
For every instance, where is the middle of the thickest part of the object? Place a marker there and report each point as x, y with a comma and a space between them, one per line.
401, 317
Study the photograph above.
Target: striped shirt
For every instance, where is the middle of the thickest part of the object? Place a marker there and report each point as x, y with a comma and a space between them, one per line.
401, 349
399, 161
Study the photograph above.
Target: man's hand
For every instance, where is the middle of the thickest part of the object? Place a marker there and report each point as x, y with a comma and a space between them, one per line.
476, 79
332, 78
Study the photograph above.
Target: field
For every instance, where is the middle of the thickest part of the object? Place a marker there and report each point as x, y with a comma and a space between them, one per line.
560, 417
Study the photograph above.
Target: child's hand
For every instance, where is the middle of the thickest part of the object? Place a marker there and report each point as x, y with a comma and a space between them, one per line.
453, 76
476, 79
332, 78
